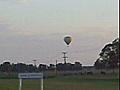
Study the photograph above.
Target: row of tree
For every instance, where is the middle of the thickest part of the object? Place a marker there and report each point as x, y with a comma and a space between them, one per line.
109, 56
22, 67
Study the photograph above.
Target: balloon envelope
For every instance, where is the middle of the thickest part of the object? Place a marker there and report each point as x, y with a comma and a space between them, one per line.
67, 40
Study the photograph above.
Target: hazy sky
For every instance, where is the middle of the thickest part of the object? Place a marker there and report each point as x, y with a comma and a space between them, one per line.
34, 29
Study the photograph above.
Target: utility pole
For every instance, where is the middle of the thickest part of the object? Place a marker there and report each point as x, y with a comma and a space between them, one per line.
34, 62
64, 58
56, 68
35, 67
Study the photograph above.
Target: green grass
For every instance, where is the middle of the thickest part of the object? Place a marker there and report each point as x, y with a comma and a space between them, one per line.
76, 82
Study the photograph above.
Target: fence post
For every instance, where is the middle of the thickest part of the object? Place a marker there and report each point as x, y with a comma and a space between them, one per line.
20, 84
41, 83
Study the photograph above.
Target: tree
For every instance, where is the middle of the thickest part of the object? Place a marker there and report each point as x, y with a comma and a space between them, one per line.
109, 55
6, 67
78, 66
42, 67
51, 67
32, 68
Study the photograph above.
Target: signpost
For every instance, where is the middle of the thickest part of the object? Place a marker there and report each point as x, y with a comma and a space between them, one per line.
29, 75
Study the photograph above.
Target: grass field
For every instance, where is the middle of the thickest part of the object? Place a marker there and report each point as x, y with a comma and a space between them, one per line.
75, 82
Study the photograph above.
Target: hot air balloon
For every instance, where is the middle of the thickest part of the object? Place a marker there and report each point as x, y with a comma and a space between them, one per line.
67, 40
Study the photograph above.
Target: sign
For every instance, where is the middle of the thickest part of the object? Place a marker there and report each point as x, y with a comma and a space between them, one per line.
30, 75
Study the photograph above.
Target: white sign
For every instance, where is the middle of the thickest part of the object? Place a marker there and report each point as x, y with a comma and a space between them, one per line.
30, 75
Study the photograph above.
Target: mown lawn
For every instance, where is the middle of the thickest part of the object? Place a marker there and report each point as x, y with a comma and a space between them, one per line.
86, 82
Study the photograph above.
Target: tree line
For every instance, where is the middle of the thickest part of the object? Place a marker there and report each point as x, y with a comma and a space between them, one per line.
22, 67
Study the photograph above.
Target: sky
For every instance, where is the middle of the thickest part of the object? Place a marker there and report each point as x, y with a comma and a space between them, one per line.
34, 29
